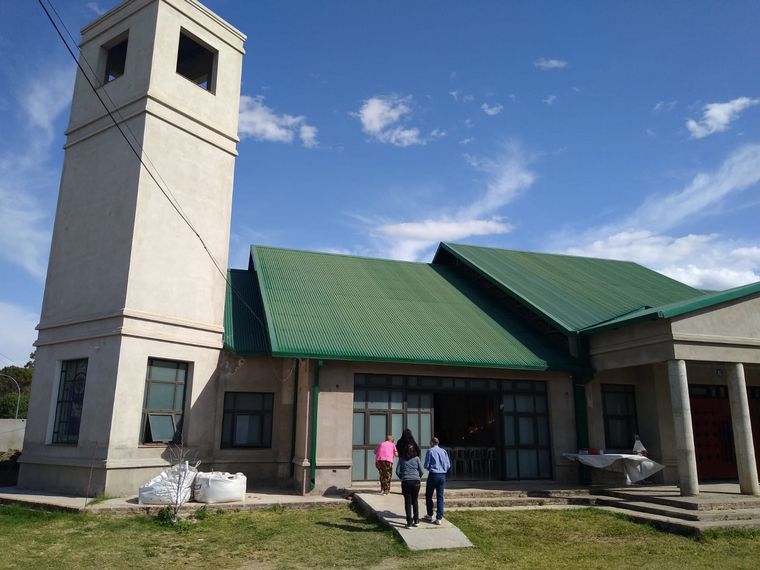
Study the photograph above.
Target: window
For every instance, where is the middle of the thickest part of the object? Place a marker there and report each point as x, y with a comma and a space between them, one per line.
619, 406
68, 410
164, 401
195, 62
116, 59
247, 419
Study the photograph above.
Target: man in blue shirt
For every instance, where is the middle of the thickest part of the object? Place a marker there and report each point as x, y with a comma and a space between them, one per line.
437, 463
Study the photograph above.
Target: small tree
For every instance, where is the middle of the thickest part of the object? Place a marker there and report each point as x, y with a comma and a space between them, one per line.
180, 478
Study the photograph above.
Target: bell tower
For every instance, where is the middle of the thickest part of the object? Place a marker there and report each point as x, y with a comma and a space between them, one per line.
132, 318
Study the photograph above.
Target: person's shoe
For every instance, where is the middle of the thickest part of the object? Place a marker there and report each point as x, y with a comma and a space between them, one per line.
438, 522
428, 518
407, 525
415, 524
381, 493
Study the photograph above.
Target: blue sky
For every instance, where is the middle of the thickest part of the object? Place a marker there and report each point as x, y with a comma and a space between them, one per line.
623, 130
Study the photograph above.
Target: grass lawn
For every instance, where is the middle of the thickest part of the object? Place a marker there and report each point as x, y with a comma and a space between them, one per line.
338, 537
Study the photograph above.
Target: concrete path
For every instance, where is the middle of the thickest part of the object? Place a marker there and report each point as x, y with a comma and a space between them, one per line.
389, 509
258, 499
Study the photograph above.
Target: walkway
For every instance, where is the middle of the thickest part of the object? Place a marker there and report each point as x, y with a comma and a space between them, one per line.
260, 499
389, 509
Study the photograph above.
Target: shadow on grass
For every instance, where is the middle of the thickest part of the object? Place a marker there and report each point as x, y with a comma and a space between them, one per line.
354, 525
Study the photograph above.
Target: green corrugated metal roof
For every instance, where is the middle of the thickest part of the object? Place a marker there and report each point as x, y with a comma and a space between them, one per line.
679, 308
571, 292
330, 306
244, 329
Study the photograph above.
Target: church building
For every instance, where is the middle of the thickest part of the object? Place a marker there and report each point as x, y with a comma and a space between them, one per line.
292, 369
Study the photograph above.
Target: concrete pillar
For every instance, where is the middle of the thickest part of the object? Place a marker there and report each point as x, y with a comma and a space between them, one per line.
684, 432
740, 421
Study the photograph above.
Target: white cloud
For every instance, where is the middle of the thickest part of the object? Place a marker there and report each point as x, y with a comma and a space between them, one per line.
704, 261
506, 176
738, 172
549, 99
308, 135
409, 240
26, 185
493, 109
546, 64
260, 122
44, 100
467, 140
381, 118
463, 97
95, 8
664, 106
707, 261
17, 333
650, 133
716, 117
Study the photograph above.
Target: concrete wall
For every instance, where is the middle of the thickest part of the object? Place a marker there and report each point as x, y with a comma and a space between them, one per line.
11, 434
127, 279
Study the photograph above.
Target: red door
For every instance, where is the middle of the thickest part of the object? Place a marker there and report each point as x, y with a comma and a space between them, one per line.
713, 435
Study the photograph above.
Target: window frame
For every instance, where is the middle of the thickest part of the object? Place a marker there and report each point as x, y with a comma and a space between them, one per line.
107, 48
65, 406
631, 415
230, 413
176, 413
211, 81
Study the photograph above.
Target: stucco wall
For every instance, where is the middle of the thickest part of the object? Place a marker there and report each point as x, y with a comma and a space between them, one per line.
11, 434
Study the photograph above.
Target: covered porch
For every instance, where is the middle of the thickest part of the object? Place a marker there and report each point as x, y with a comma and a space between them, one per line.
693, 372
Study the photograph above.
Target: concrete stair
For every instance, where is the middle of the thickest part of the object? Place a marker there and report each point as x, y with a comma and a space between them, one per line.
515, 499
679, 515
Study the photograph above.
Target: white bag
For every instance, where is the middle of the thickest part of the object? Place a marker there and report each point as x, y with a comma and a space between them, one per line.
171, 487
218, 487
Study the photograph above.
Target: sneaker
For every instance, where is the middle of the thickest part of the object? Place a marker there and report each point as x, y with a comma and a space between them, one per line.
381, 493
407, 526
438, 522
416, 524
428, 518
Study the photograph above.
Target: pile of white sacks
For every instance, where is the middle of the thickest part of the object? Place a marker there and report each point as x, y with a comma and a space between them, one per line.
182, 482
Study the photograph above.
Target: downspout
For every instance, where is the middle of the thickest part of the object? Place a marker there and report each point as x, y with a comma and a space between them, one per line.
296, 363
314, 422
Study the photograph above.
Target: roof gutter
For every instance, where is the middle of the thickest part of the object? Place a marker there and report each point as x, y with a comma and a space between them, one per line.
314, 423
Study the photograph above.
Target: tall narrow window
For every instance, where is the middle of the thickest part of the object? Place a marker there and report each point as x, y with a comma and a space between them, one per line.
116, 60
68, 410
195, 62
619, 405
164, 401
247, 419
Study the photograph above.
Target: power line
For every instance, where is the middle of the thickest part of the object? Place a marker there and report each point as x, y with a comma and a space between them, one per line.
139, 154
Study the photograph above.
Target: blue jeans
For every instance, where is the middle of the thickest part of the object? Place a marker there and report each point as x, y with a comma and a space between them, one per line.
435, 482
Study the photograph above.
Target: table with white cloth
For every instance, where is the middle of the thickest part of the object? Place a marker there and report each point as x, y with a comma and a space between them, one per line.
636, 467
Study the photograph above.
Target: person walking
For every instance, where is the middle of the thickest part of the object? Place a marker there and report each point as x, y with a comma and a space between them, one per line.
405, 439
384, 454
409, 470
437, 463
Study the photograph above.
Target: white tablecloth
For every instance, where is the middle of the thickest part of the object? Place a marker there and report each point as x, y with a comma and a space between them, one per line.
636, 467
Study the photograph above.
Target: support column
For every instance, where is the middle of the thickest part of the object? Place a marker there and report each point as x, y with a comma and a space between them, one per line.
684, 432
740, 421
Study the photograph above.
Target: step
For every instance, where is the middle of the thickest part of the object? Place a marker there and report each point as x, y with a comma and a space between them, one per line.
684, 503
651, 508
682, 526
489, 502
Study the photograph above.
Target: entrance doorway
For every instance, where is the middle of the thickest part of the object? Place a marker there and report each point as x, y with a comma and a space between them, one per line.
713, 431
492, 429
468, 426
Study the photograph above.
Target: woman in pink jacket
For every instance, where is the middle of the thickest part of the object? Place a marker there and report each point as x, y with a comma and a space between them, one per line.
384, 454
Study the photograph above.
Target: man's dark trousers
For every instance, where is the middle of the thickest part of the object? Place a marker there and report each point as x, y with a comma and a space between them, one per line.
435, 482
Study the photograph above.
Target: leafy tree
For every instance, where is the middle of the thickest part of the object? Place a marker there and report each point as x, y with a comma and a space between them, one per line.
8, 392
8, 405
